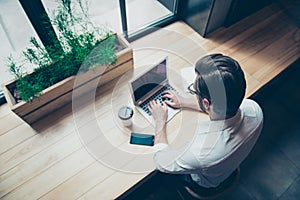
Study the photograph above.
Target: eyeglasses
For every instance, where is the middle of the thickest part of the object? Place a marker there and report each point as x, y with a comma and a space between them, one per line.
191, 89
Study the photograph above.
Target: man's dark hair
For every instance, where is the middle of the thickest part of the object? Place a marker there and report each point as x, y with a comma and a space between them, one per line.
221, 81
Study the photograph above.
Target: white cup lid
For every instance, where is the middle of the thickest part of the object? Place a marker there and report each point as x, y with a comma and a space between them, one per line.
125, 112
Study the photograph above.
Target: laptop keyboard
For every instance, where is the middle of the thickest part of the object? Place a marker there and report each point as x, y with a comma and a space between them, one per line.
156, 96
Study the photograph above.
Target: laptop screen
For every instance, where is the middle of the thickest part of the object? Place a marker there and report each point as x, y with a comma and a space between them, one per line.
149, 81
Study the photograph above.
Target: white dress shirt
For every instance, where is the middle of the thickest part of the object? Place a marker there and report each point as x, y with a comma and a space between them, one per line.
217, 148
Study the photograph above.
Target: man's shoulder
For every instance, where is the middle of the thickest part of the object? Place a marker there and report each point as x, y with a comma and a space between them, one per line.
250, 104
251, 108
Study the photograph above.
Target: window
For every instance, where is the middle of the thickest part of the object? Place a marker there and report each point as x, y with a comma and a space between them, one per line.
15, 32
128, 17
145, 13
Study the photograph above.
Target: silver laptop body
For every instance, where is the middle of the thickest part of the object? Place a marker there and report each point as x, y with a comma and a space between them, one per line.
150, 85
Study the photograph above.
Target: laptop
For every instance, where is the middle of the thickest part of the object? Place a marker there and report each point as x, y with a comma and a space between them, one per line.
149, 86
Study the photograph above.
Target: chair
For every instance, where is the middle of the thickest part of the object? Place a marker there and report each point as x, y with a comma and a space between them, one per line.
197, 192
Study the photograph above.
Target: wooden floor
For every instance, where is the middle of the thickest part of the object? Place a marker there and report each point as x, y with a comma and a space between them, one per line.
49, 161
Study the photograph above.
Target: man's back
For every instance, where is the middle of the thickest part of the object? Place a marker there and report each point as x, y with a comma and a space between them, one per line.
217, 149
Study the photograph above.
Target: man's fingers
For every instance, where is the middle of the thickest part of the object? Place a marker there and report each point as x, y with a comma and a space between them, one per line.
153, 103
165, 106
167, 95
170, 103
167, 92
150, 105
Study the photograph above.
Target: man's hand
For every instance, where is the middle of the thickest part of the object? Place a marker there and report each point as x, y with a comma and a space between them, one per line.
179, 101
174, 99
158, 111
159, 114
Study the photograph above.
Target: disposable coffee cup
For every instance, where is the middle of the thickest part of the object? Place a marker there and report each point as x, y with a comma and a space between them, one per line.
125, 115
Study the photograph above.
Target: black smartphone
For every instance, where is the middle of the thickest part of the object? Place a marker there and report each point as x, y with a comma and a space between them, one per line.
142, 139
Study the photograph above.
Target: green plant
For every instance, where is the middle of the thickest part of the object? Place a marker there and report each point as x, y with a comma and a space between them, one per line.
78, 38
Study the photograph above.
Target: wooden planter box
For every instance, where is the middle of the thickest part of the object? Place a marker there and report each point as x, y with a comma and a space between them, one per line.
60, 94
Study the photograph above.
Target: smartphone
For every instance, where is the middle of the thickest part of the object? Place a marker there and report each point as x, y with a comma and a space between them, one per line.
142, 139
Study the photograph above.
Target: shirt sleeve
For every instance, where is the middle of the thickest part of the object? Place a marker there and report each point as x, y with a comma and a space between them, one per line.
175, 161
160, 146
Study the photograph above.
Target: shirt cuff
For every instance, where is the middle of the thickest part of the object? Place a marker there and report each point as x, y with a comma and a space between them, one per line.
159, 147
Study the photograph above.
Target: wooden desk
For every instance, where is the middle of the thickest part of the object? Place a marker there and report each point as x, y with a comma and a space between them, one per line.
107, 140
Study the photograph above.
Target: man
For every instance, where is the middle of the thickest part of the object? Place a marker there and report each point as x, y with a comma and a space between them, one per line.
221, 143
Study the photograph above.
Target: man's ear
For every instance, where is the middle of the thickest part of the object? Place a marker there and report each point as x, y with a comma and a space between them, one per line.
206, 103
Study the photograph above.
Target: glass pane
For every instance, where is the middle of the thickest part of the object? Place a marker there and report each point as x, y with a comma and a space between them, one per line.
142, 13
106, 12
102, 12
15, 32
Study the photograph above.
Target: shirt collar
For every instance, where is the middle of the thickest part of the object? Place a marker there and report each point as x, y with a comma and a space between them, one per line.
220, 125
